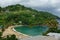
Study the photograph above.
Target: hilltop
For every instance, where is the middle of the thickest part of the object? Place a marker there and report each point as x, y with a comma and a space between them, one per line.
19, 14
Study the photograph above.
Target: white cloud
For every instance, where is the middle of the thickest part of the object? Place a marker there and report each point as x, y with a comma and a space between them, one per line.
55, 3
35, 3
50, 5
58, 10
8, 2
32, 3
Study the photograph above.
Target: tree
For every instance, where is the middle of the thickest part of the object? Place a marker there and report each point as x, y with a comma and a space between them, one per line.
13, 37
0, 9
0, 34
9, 37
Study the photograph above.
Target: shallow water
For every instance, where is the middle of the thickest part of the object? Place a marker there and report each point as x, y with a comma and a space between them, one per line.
36, 30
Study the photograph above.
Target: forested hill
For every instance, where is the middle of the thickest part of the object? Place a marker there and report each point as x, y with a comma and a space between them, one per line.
19, 14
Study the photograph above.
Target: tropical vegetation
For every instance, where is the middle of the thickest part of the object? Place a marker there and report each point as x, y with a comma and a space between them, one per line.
18, 14
21, 15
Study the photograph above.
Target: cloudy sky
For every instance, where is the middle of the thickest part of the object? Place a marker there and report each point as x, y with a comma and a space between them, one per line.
45, 5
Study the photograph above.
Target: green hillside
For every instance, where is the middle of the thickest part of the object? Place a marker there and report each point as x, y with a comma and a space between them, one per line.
19, 14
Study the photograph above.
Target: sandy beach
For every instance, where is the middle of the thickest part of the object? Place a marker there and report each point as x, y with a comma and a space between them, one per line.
10, 30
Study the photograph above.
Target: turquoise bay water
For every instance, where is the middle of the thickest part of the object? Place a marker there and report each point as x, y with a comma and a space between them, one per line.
36, 30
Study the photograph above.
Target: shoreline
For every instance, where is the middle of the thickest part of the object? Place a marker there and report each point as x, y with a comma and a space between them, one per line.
19, 32
10, 31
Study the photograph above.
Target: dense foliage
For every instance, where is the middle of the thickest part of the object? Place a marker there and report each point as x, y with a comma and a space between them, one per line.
18, 14
8, 37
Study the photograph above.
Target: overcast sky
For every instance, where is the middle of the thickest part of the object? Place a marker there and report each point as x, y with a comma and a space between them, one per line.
45, 5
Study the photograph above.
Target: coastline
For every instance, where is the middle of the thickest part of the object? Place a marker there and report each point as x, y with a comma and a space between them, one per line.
19, 32
10, 30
